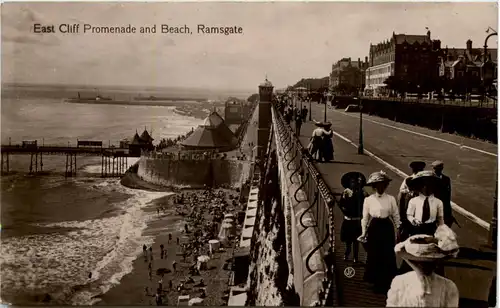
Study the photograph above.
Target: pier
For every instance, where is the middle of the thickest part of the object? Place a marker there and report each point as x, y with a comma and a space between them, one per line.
113, 160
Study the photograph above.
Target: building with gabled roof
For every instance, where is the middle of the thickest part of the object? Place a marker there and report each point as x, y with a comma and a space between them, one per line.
467, 69
139, 143
409, 60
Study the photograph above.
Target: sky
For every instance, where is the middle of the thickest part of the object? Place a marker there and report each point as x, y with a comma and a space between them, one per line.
285, 41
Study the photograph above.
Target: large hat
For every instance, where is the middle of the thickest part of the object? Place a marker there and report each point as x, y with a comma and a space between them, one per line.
347, 177
437, 163
378, 177
427, 248
426, 175
417, 164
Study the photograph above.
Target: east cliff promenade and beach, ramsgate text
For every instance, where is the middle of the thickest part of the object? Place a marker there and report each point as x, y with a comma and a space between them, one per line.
130, 29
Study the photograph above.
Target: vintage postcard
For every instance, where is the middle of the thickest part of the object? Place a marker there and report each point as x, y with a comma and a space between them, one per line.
249, 154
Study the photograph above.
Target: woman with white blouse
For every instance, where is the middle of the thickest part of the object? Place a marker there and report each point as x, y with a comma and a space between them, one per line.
380, 216
422, 287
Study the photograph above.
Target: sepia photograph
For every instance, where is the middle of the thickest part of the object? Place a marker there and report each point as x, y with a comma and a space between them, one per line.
339, 154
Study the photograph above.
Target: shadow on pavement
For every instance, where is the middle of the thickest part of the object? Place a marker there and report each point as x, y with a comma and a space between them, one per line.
465, 265
472, 303
474, 254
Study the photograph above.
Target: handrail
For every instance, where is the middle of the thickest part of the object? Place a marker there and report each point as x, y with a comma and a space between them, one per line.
319, 195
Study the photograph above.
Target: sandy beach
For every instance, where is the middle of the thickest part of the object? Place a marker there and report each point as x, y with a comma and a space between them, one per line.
198, 210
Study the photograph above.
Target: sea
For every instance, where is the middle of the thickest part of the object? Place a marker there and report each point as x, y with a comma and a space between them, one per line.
57, 230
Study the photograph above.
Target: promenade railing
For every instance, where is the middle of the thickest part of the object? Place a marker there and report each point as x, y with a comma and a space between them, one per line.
320, 198
455, 101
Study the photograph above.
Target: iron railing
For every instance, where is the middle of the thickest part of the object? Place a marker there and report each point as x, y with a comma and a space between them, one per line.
321, 201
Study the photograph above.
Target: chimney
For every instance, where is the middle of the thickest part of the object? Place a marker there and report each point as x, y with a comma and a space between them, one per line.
469, 45
359, 62
429, 34
366, 60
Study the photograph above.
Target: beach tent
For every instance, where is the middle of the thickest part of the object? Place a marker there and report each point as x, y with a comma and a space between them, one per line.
225, 232
214, 245
202, 261
196, 301
183, 300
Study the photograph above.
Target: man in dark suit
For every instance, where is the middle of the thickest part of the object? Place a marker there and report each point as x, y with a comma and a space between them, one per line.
443, 192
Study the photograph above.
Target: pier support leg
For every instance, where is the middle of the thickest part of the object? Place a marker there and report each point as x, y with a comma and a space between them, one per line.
8, 163
31, 163
36, 162
75, 166
41, 161
1, 154
66, 170
102, 166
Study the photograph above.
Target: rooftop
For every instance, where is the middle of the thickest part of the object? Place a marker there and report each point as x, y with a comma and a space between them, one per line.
266, 83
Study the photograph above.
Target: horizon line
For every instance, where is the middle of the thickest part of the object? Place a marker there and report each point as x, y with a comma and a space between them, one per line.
144, 87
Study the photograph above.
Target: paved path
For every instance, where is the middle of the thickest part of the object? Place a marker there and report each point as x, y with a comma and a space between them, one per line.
471, 167
473, 270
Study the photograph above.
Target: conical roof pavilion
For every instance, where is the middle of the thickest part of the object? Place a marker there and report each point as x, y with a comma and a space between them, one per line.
212, 134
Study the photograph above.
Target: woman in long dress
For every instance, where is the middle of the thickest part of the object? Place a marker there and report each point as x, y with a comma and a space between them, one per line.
351, 204
380, 216
328, 142
423, 287
316, 142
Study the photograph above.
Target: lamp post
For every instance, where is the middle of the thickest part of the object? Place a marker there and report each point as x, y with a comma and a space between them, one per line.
325, 96
310, 110
494, 221
360, 145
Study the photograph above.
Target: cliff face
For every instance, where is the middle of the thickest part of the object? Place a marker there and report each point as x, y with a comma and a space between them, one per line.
269, 272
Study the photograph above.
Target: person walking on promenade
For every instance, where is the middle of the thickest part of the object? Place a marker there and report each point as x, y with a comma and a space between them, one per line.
162, 252
298, 124
288, 115
316, 143
304, 114
443, 192
425, 211
151, 252
423, 287
145, 252
404, 196
328, 142
351, 204
378, 233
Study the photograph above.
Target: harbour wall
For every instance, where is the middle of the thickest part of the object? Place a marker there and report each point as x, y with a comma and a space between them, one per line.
191, 172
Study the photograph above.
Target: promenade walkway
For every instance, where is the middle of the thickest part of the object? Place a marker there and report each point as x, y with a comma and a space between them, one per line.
475, 267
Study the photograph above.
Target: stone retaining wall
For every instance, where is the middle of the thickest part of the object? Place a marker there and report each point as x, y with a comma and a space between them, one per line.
194, 173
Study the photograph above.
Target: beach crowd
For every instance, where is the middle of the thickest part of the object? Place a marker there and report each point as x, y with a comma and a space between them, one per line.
202, 213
